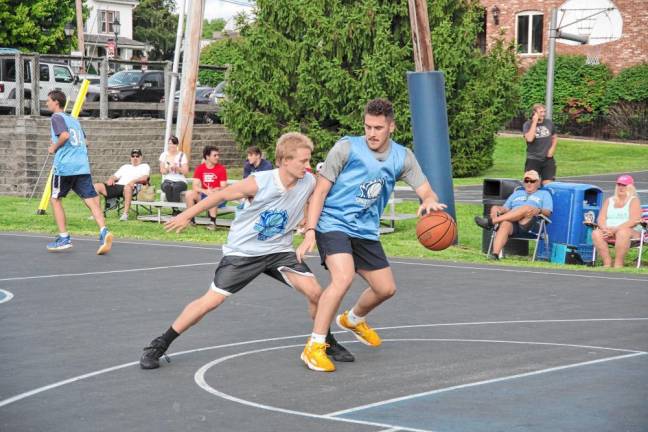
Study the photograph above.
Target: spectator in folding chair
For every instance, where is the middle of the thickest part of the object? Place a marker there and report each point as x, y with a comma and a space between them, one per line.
174, 164
618, 222
518, 214
124, 182
210, 177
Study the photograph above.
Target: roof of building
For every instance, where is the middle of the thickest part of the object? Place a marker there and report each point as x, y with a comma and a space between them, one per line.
123, 42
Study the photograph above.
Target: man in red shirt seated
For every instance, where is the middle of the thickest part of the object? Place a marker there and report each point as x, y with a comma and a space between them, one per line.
209, 177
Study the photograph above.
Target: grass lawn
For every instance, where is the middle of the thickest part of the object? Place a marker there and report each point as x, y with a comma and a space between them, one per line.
574, 158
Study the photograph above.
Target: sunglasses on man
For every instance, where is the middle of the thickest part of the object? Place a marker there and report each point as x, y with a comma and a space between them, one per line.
528, 180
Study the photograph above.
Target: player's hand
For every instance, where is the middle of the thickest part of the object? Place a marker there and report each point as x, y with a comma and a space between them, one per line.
51, 149
177, 223
306, 246
429, 205
535, 117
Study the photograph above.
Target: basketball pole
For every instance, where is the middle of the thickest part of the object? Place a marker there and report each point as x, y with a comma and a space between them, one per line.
428, 109
47, 192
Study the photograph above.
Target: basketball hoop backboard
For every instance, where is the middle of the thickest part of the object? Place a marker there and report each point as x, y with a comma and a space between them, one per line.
598, 20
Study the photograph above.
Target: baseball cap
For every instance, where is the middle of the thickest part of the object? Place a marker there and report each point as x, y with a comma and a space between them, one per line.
625, 180
532, 174
136, 151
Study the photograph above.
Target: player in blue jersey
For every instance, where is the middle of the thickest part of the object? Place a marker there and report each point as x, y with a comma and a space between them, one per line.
259, 241
71, 171
353, 188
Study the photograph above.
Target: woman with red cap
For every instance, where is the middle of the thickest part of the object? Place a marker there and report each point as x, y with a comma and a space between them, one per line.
618, 222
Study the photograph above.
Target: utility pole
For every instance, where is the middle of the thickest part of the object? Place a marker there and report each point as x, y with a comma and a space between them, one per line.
191, 58
170, 100
428, 108
421, 40
80, 35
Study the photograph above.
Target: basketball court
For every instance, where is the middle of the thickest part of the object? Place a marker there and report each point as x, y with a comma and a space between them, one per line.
466, 348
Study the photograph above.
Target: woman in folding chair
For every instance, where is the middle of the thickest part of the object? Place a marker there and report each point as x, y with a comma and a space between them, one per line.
519, 212
618, 222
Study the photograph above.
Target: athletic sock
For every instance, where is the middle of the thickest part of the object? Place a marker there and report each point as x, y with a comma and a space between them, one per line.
64, 234
319, 338
213, 219
170, 335
330, 339
354, 319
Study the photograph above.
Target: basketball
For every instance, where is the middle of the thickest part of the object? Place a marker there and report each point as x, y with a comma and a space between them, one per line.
436, 230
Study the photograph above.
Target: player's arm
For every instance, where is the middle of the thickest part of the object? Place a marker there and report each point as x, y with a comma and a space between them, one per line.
58, 124
413, 176
529, 135
243, 189
429, 199
313, 211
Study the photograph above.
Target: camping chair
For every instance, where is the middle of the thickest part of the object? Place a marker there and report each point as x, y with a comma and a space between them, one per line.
636, 243
537, 233
117, 203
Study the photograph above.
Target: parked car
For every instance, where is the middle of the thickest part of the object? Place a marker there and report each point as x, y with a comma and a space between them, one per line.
132, 86
52, 75
204, 95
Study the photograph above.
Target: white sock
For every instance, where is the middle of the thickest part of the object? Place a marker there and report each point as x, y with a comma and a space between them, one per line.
64, 234
319, 338
355, 319
102, 228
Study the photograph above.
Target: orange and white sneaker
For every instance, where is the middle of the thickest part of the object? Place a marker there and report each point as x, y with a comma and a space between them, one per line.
314, 355
362, 331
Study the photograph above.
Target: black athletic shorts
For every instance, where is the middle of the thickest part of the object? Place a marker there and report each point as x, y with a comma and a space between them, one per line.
546, 168
367, 254
114, 191
235, 272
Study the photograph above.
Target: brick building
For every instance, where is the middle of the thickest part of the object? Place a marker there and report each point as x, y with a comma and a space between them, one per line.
527, 22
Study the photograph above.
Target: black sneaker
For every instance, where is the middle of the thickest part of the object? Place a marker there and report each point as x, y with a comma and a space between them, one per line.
484, 222
152, 353
337, 352
494, 257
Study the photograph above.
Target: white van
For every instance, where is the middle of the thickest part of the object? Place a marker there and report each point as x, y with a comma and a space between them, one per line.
53, 75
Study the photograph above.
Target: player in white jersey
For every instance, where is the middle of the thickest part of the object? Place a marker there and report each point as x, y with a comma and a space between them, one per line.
260, 241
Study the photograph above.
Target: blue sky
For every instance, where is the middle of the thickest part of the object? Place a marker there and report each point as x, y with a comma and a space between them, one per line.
222, 9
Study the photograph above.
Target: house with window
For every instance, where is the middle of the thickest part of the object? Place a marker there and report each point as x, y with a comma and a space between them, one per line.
109, 30
527, 22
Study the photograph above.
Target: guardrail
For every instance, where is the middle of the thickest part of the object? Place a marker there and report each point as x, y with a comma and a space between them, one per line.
21, 102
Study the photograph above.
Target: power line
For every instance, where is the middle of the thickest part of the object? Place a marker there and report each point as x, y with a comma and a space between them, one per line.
239, 3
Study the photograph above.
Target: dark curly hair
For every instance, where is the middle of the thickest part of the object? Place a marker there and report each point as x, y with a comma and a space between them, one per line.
380, 107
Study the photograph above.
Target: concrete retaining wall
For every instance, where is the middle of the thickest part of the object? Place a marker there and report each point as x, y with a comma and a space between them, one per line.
24, 143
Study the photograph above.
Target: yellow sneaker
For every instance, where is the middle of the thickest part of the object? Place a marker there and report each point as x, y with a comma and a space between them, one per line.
362, 331
314, 355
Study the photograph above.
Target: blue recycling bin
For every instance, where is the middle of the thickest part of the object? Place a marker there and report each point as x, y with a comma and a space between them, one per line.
572, 203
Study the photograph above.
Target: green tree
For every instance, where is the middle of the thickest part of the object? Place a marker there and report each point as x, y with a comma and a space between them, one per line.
211, 26
220, 53
36, 25
311, 65
155, 23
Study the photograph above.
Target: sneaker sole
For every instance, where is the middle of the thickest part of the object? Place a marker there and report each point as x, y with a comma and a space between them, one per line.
360, 338
312, 366
105, 248
60, 248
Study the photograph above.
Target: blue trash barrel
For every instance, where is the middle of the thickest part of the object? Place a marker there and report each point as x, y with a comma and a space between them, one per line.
572, 202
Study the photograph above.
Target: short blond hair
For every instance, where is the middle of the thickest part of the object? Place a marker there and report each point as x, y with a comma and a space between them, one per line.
289, 143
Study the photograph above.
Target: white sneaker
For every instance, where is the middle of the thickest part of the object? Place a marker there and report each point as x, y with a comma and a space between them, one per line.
123, 217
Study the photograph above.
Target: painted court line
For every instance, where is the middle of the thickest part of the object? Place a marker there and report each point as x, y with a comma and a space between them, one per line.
199, 378
57, 384
478, 383
459, 267
106, 272
542, 273
7, 296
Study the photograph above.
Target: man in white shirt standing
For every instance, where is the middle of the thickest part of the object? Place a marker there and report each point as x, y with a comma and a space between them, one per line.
123, 182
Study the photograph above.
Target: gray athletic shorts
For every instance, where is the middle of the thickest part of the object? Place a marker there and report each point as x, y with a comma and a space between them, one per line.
235, 272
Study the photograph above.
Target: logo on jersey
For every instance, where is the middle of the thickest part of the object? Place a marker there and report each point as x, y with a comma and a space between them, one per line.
271, 223
542, 132
370, 191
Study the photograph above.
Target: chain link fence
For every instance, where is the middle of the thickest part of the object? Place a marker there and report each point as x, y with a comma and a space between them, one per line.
118, 88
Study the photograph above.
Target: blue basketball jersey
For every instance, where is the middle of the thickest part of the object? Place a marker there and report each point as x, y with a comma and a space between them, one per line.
266, 224
72, 157
361, 191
